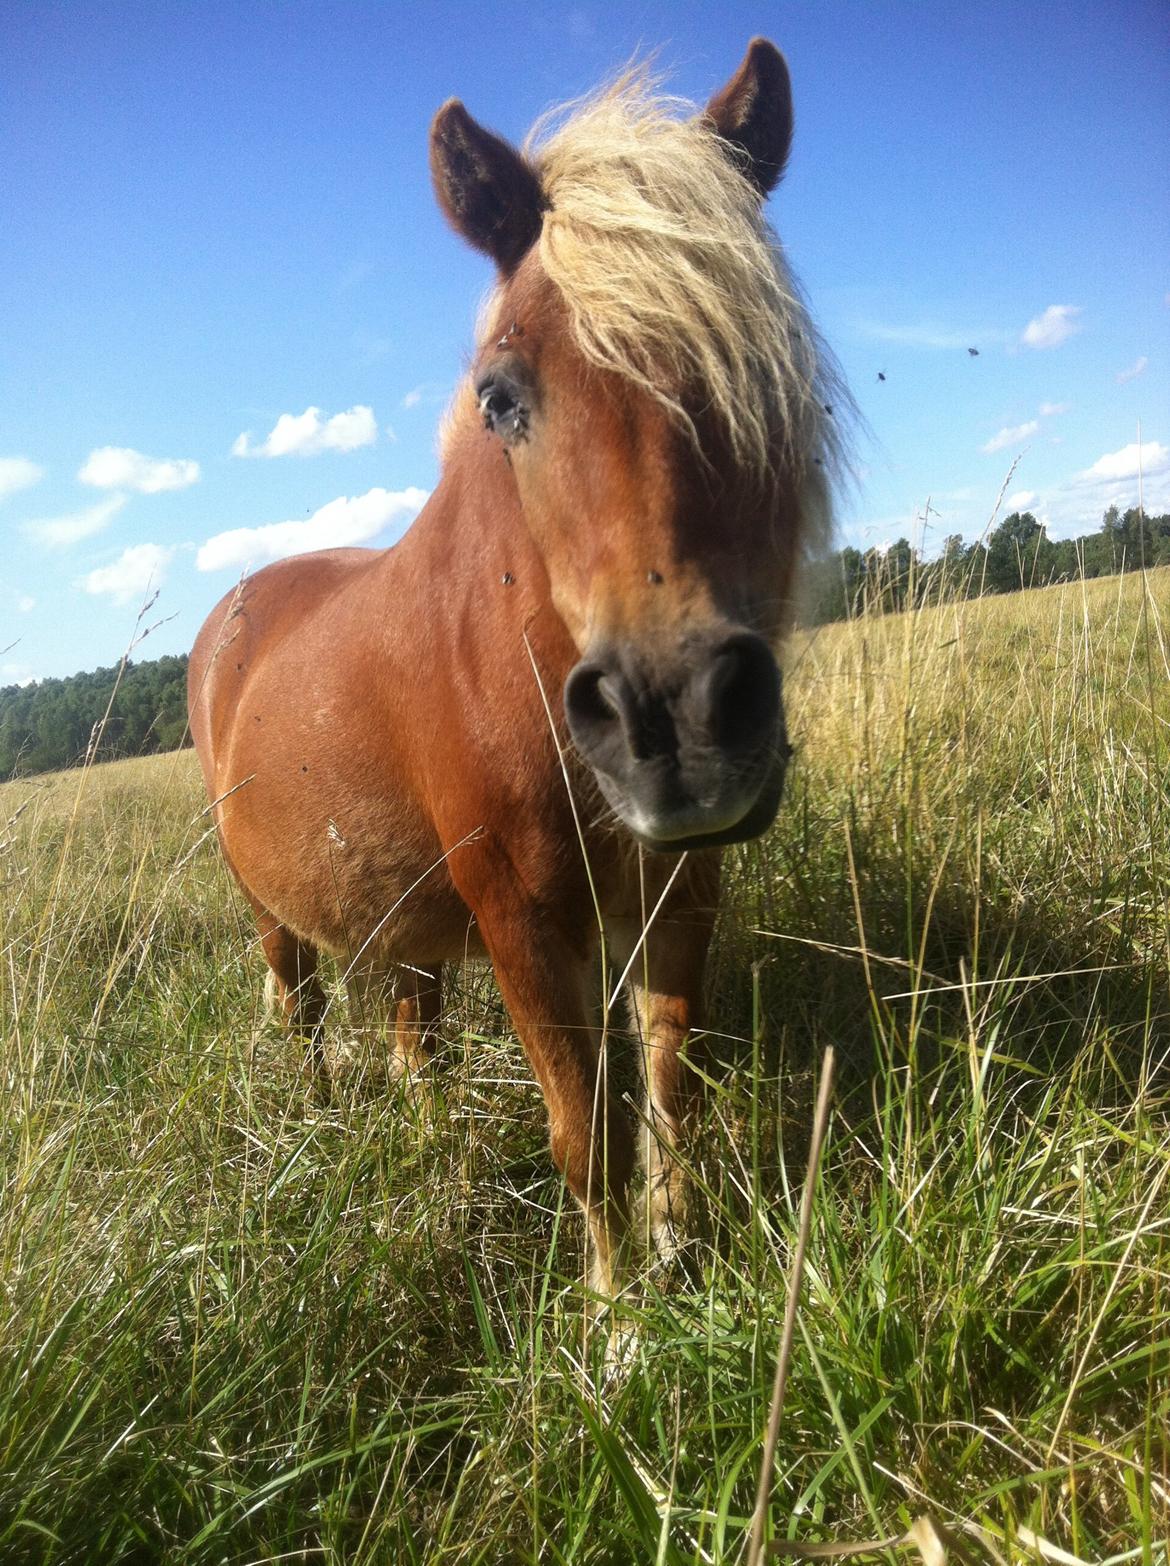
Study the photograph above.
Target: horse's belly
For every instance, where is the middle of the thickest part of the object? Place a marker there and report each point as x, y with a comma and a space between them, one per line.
348, 873
387, 895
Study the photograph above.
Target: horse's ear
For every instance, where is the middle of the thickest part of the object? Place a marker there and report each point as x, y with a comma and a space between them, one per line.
487, 191
754, 113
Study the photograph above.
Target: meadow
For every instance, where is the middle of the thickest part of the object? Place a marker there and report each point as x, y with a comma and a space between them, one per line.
241, 1327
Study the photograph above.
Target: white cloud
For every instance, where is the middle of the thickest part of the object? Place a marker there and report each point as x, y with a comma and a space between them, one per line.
1055, 326
929, 334
60, 532
18, 473
132, 575
1135, 369
884, 529
25, 603
16, 674
1049, 410
1080, 504
431, 394
342, 521
1021, 500
1012, 436
1150, 457
1077, 505
308, 434
120, 467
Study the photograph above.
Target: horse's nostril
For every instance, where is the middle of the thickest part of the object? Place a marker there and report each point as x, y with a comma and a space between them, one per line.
592, 701
609, 697
726, 668
719, 698
740, 690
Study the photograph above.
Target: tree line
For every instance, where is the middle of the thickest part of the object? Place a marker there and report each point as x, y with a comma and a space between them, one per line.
1016, 554
62, 723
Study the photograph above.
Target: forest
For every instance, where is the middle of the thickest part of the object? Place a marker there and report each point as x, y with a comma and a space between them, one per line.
57, 723
1016, 554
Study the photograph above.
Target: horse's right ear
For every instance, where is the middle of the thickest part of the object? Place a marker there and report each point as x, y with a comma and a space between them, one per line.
753, 114
488, 192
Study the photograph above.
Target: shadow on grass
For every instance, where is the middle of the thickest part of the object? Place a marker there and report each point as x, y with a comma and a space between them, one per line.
1021, 970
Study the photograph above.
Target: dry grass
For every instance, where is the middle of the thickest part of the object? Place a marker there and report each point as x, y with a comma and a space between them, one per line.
239, 1331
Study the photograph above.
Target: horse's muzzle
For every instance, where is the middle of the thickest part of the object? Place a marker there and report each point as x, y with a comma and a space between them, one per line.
688, 743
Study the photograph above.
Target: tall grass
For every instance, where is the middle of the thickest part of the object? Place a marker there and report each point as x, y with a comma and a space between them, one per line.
238, 1329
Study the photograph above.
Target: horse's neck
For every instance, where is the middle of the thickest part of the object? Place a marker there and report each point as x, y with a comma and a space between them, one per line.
473, 522
470, 567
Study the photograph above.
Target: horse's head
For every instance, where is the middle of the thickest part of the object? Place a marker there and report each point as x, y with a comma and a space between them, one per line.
651, 378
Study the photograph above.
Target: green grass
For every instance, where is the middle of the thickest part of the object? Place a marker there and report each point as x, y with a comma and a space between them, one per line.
235, 1329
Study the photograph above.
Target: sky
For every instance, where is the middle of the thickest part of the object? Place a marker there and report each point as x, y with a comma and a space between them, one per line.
231, 313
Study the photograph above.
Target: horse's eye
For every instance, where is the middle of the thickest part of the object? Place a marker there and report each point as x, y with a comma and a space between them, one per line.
502, 409
496, 404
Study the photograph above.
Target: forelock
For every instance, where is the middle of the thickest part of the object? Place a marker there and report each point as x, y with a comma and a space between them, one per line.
673, 279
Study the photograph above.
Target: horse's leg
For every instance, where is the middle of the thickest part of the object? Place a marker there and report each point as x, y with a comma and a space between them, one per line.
293, 986
543, 977
399, 1008
416, 1017
589, 1131
666, 996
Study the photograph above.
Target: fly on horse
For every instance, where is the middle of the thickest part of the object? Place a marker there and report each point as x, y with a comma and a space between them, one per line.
527, 728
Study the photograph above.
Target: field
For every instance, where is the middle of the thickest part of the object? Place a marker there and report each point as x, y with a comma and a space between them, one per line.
239, 1328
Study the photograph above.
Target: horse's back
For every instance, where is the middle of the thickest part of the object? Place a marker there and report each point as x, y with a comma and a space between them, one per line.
282, 607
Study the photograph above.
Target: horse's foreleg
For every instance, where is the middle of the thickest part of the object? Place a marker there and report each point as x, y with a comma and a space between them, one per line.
543, 984
666, 1013
666, 1003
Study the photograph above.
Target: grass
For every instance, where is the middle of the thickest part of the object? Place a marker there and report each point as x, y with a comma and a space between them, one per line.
237, 1330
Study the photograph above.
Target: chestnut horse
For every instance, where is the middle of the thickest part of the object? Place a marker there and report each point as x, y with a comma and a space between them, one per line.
462, 745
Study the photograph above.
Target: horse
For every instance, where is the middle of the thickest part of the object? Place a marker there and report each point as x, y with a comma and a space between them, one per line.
527, 729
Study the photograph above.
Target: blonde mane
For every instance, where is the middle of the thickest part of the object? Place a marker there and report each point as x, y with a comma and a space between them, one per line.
673, 278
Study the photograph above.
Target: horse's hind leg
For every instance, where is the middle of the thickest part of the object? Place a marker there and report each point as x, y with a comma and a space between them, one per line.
293, 987
398, 1009
416, 1017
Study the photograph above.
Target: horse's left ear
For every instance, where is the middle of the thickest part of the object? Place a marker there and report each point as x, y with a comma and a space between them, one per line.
754, 113
487, 191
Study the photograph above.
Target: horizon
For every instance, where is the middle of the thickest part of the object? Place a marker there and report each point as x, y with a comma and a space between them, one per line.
240, 313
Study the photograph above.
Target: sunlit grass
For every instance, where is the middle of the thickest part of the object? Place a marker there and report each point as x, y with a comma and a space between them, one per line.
240, 1328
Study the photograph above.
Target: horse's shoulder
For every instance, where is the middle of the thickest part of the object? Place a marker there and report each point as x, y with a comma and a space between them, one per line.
320, 565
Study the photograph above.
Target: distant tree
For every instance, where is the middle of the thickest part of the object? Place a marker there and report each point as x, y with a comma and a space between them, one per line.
1018, 553
1012, 550
54, 723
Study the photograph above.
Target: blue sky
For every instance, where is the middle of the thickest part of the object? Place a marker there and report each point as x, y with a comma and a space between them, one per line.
232, 313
